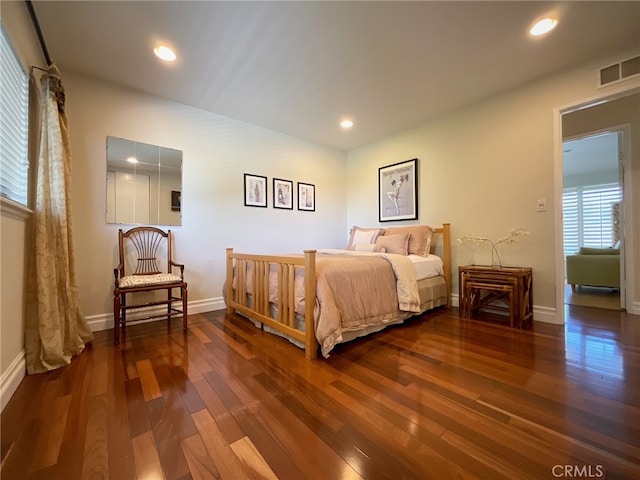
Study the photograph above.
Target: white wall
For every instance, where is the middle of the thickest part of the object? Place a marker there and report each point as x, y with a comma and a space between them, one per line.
483, 168
217, 151
13, 227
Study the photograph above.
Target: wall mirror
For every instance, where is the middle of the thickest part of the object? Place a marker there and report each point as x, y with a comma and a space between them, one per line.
144, 183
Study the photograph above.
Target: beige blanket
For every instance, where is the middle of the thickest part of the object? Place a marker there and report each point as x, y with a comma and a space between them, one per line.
358, 290
406, 283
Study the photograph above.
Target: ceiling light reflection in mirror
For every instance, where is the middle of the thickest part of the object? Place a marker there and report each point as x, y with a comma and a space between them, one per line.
144, 183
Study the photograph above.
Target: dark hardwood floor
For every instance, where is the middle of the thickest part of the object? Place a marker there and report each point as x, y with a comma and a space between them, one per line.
439, 397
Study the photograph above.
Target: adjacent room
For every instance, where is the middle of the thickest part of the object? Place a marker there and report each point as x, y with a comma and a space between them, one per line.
591, 201
320, 240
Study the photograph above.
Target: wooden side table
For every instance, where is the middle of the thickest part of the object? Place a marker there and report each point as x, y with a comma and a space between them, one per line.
501, 289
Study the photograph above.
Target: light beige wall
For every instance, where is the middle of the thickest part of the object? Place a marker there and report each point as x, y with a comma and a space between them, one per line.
13, 227
483, 169
217, 151
12, 288
617, 113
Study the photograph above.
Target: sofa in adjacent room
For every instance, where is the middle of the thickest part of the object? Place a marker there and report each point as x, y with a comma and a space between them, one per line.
596, 267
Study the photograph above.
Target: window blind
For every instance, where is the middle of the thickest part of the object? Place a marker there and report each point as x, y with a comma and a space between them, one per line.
14, 124
597, 218
571, 220
587, 216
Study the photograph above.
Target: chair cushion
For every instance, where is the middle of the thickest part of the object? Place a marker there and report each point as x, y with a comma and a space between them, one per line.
144, 280
598, 251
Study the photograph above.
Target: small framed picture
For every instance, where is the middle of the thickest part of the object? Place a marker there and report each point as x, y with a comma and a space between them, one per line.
255, 190
306, 197
175, 200
282, 193
398, 191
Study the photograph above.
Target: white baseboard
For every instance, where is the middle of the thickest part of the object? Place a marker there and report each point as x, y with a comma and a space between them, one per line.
455, 300
11, 378
635, 308
546, 315
104, 321
540, 314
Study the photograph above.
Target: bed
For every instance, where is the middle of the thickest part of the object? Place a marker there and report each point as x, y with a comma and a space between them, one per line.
326, 297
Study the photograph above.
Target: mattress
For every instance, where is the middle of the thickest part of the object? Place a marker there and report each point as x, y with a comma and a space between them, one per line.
427, 267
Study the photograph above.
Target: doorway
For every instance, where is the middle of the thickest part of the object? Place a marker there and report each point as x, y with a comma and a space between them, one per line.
592, 205
613, 113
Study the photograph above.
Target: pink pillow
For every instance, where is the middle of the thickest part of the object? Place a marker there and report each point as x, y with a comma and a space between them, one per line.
419, 237
394, 243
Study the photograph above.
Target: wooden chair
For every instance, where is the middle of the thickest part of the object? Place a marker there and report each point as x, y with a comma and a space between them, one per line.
143, 252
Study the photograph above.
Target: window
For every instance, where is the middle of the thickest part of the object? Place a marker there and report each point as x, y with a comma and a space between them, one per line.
14, 124
587, 216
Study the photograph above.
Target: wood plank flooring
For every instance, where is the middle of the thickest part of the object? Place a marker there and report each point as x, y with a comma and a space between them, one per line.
439, 397
599, 297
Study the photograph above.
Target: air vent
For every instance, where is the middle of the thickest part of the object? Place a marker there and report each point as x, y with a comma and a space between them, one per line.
619, 71
630, 67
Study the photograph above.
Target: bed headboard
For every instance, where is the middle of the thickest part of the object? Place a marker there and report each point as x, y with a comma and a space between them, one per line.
440, 245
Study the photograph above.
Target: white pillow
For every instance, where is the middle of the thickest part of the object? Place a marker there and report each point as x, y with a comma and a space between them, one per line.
364, 236
368, 247
375, 232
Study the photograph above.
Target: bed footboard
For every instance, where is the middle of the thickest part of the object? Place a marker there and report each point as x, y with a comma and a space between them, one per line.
259, 307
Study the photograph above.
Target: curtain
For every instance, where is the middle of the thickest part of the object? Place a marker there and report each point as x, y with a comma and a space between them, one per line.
55, 328
615, 224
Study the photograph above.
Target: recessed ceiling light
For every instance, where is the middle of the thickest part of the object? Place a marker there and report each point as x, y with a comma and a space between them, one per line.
165, 53
543, 26
346, 123
132, 160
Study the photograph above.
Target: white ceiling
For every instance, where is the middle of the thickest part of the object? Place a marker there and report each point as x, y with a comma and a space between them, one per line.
299, 67
594, 154
150, 158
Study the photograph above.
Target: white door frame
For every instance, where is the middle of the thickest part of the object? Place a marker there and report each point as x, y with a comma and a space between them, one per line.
612, 94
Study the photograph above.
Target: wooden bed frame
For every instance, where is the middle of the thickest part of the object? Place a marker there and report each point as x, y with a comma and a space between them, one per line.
237, 300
